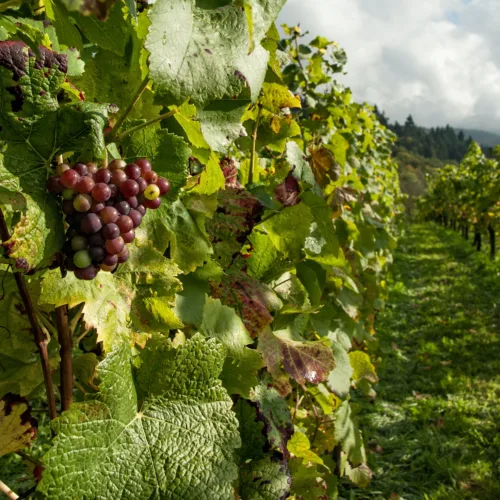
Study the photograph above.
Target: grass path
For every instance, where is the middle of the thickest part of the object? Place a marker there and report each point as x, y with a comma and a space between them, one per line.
434, 430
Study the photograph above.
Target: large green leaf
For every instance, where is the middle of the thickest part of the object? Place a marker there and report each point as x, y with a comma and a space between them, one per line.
170, 433
202, 53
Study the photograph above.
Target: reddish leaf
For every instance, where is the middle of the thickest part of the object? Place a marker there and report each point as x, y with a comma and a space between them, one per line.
251, 299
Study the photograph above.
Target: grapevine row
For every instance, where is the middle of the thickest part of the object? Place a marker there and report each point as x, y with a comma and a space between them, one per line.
208, 335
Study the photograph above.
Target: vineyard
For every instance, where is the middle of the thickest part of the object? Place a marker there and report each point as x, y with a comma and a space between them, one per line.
197, 223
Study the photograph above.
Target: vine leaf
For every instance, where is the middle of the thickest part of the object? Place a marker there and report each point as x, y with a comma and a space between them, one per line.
170, 434
20, 367
120, 306
17, 428
273, 410
242, 364
265, 479
300, 446
231, 223
252, 300
202, 53
34, 129
339, 379
305, 361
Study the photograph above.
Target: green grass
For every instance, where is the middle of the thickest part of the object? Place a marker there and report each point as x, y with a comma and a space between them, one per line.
434, 430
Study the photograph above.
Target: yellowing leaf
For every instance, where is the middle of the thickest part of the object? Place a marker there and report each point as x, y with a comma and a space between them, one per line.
17, 428
275, 97
362, 367
300, 446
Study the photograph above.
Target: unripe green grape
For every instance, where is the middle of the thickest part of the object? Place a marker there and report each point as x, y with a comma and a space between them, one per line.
82, 259
61, 168
152, 192
78, 243
68, 194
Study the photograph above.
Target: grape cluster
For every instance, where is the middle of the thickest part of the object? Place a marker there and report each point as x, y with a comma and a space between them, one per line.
103, 207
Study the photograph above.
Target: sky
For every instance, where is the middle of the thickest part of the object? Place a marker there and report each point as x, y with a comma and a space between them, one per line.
436, 59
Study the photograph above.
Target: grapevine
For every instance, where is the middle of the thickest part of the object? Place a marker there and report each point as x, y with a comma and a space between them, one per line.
196, 226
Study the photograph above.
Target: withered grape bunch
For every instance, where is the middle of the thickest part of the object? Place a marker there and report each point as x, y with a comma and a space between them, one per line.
103, 207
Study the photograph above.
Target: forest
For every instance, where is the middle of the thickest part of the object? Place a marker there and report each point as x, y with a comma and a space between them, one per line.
223, 276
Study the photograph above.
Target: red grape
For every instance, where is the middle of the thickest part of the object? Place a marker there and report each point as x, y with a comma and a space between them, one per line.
115, 164
88, 273
110, 231
141, 209
114, 190
123, 256
61, 168
128, 237
103, 175
96, 207
133, 201
153, 204
152, 192
150, 176
129, 188
69, 178
164, 185
143, 164
96, 240
67, 207
110, 260
118, 176
115, 245
85, 185
125, 223
136, 217
142, 184
54, 185
101, 192
132, 171
123, 207
80, 168
109, 214
106, 268
82, 202
97, 254
90, 224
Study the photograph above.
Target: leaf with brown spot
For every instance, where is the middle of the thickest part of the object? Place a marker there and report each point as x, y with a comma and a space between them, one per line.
324, 166
252, 300
306, 361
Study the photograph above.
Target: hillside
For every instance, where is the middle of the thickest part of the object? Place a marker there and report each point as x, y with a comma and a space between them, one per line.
482, 137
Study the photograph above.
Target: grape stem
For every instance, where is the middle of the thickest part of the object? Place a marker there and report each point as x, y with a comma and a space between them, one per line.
40, 340
128, 109
254, 143
129, 131
66, 368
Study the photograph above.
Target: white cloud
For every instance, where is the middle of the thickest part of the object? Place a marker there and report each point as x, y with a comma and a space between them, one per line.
436, 59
